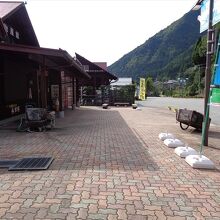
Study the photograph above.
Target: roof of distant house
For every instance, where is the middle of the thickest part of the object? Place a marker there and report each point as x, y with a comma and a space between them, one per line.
171, 81
124, 81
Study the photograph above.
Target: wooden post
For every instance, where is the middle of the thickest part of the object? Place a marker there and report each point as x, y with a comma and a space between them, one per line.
43, 86
74, 92
61, 92
208, 68
38, 88
94, 89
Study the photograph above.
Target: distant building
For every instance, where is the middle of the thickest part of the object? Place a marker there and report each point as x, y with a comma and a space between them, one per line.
123, 81
92, 89
122, 91
171, 84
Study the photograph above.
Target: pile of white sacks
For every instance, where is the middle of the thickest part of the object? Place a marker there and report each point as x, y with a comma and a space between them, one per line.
192, 157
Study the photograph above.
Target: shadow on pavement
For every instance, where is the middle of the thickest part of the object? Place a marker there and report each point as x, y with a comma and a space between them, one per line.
84, 139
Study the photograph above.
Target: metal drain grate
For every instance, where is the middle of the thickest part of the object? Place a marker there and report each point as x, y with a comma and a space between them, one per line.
7, 163
33, 163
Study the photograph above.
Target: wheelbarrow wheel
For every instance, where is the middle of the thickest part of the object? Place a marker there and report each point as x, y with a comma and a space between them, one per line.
183, 126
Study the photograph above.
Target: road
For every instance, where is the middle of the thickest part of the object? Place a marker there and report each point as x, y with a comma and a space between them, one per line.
189, 103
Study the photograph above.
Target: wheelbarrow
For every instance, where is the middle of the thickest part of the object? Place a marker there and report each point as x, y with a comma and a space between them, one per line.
191, 118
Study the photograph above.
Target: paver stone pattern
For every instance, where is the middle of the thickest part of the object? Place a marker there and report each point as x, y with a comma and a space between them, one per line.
109, 164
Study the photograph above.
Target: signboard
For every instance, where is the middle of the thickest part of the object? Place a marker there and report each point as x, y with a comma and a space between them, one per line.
142, 89
204, 15
216, 12
215, 92
54, 91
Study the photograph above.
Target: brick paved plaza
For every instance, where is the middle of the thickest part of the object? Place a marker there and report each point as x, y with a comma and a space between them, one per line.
109, 164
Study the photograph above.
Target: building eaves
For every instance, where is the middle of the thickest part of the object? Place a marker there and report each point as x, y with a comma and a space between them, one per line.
47, 52
84, 61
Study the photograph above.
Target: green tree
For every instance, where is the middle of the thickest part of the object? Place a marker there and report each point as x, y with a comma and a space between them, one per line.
149, 85
195, 82
199, 52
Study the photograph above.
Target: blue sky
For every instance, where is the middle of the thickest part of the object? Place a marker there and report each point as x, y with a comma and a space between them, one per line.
102, 30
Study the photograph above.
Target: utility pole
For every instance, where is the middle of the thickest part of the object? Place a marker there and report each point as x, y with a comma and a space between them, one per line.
210, 49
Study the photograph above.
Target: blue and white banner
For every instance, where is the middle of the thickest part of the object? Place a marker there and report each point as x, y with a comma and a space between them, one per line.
216, 12
204, 15
217, 72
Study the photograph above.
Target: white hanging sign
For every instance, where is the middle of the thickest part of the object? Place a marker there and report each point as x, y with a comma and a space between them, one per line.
204, 15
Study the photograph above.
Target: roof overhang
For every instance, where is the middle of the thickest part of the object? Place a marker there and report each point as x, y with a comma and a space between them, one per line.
52, 58
95, 68
197, 6
8, 8
15, 11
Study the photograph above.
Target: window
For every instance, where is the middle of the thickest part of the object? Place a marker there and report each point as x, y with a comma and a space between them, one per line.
6, 27
11, 31
86, 67
17, 35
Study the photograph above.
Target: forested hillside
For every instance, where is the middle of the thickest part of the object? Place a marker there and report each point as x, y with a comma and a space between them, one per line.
164, 55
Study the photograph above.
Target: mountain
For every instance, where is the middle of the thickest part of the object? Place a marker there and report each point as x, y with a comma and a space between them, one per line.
165, 54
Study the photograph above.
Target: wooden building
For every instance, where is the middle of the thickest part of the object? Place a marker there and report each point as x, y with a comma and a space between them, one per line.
30, 74
100, 77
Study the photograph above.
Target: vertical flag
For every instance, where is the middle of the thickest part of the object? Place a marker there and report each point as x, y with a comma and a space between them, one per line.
142, 89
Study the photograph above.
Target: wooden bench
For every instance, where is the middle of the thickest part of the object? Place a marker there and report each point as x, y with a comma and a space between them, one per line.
36, 118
